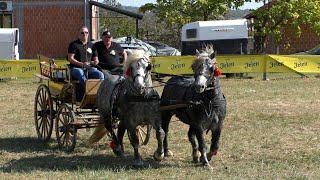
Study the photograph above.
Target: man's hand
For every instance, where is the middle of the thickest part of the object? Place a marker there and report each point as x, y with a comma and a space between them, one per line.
86, 65
94, 63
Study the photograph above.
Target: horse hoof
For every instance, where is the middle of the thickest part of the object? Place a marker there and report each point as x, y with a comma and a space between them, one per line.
211, 154
168, 153
158, 157
195, 160
208, 167
138, 163
124, 155
118, 151
196, 157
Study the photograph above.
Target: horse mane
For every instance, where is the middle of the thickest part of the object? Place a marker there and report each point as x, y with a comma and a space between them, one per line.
135, 56
201, 56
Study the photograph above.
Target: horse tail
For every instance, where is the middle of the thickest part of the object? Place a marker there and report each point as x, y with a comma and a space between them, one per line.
98, 133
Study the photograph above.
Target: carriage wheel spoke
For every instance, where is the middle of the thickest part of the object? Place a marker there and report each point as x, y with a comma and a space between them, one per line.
42, 128
140, 135
64, 131
43, 113
141, 129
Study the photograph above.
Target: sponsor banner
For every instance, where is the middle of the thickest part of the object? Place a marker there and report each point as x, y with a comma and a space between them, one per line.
173, 65
176, 65
243, 63
22, 68
293, 63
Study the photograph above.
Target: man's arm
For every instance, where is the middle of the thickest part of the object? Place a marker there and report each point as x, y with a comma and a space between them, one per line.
124, 55
72, 60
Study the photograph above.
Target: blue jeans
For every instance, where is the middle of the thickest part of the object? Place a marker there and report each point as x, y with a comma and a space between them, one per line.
80, 74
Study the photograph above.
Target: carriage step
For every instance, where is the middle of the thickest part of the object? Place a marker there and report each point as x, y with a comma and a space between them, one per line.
89, 117
85, 123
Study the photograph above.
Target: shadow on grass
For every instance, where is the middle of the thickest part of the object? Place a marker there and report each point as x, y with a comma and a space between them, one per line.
75, 163
54, 161
23, 144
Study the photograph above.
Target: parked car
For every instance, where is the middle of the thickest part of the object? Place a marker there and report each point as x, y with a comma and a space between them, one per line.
130, 44
164, 49
313, 51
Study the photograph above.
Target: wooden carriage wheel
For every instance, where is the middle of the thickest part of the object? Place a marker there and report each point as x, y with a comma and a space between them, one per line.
143, 133
43, 113
66, 130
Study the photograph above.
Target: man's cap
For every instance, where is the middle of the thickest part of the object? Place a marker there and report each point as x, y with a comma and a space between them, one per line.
107, 33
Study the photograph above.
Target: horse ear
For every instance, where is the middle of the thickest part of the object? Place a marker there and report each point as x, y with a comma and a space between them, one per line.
213, 55
197, 52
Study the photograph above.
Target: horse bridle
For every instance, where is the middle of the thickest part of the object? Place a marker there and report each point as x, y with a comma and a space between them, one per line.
133, 77
210, 78
148, 68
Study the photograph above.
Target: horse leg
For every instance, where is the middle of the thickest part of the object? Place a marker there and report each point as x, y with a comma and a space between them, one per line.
195, 152
214, 143
115, 146
202, 148
120, 134
134, 141
166, 117
156, 123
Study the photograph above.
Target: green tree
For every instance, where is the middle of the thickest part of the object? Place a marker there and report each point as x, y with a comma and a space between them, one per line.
120, 25
270, 20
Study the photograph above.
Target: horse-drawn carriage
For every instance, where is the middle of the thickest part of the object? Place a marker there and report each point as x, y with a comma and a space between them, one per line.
56, 106
197, 101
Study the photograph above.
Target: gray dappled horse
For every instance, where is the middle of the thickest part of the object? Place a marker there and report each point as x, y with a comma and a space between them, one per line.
207, 114
133, 101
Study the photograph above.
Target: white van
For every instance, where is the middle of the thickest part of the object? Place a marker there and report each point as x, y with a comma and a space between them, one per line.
226, 36
9, 39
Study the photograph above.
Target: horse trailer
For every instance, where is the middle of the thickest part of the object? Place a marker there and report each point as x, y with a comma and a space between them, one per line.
226, 36
9, 39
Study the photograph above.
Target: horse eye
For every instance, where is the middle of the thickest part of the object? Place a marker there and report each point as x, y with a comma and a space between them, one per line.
149, 67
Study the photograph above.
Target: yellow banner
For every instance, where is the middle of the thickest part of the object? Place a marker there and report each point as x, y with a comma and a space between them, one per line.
242, 63
176, 65
293, 63
22, 68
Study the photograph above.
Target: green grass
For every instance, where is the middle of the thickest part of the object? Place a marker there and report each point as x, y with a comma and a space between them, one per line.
271, 132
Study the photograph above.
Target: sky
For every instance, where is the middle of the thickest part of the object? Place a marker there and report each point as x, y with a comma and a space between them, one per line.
139, 3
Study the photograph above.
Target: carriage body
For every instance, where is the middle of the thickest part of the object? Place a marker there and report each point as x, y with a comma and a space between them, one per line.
57, 107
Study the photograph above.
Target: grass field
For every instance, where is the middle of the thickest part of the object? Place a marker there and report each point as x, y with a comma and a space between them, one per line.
272, 131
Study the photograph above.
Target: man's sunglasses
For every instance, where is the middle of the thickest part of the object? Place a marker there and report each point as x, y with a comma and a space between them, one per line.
84, 32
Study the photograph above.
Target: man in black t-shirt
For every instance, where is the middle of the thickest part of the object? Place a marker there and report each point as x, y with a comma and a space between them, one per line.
110, 54
80, 58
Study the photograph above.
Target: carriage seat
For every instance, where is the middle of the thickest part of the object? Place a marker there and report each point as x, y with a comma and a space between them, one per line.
49, 70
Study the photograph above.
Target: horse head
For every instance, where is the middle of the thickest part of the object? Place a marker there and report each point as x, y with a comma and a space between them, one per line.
137, 71
203, 68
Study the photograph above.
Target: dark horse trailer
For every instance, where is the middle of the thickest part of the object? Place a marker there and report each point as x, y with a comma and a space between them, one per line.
226, 36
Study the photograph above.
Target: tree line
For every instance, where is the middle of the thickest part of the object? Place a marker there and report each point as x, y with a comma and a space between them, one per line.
163, 20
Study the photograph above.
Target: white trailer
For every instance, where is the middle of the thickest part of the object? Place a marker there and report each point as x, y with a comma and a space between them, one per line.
226, 36
9, 39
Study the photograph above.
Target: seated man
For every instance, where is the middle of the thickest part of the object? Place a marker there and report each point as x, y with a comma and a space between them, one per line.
79, 56
110, 55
